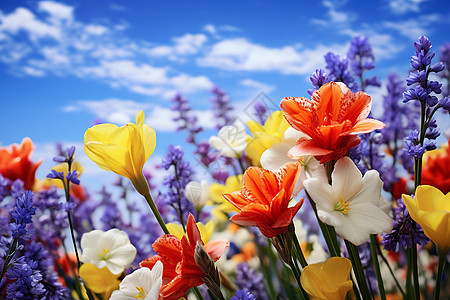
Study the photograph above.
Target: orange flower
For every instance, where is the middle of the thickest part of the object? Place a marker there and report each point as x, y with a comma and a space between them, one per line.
264, 197
181, 272
436, 168
15, 163
332, 119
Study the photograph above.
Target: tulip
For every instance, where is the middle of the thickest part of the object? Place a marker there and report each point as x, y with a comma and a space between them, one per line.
431, 209
123, 150
327, 280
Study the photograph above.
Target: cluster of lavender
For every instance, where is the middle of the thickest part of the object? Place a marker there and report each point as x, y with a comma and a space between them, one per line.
424, 92
24, 261
176, 183
361, 59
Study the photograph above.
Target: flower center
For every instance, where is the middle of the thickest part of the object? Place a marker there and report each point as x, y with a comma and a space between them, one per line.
342, 207
104, 254
141, 294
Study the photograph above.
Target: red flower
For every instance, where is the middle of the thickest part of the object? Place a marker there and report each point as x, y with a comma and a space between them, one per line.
264, 197
15, 163
436, 169
180, 272
332, 119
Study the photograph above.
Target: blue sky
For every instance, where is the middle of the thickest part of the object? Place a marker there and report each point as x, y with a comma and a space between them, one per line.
65, 64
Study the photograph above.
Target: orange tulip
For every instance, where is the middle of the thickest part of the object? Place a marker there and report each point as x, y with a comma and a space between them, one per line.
15, 163
264, 197
332, 119
181, 272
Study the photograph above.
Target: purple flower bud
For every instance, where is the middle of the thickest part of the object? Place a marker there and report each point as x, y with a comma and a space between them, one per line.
56, 175
72, 176
423, 44
445, 103
437, 67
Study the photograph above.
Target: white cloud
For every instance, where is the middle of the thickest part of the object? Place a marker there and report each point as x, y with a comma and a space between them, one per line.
187, 44
96, 29
413, 28
401, 7
94, 51
24, 20
262, 87
242, 55
189, 84
335, 17
57, 11
210, 28
111, 110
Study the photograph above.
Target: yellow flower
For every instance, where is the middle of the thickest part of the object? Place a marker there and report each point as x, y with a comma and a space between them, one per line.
223, 207
265, 136
206, 230
329, 280
123, 150
431, 209
63, 167
99, 281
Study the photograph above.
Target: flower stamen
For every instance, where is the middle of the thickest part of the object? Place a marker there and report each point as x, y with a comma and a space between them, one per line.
342, 207
104, 254
141, 294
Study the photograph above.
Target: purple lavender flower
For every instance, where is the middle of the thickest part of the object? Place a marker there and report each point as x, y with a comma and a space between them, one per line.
249, 279
22, 215
221, 107
27, 284
318, 78
4, 184
338, 70
53, 289
420, 62
444, 57
72, 177
243, 295
400, 236
261, 112
362, 59
207, 155
188, 122
56, 175
177, 182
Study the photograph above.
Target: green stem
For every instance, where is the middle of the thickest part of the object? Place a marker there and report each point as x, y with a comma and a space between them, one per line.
415, 269
392, 273
296, 272
437, 290
331, 241
299, 251
155, 211
197, 293
373, 251
409, 287
357, 267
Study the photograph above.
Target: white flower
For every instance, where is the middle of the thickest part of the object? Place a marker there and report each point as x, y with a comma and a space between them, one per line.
197, 193
352, 204
111, 249
277, 155
141, 284
230, 140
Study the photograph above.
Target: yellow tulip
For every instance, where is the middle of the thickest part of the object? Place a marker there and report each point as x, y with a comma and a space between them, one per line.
206, 230
265, 136
329, 280
223, 207
100, 281
431, 209
123, 150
